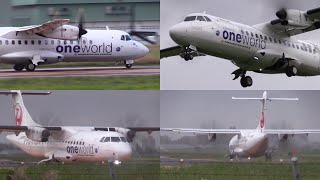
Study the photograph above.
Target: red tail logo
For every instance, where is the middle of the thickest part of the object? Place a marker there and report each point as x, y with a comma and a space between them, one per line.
18, 113
262, 121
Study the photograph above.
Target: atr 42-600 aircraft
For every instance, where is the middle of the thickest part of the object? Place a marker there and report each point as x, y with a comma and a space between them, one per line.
66, 143
54, 41
250, 143
268, 48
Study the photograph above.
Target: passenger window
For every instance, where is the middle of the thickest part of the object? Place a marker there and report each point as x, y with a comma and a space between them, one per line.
0, 42
52, 42
122, 38
310, 49
71, 42
257, 36
251, 34
32, 41
13, 42
19, 41
190, 18
275, 40
46, 42
26, 42
7, 42
265, 38
279, 41
208, 19
298, 47
90, 42
123, 139
247, 33
242, 32
270, 39
261, 36
115, 139
39, 42
107, 139
65, 42
58, 41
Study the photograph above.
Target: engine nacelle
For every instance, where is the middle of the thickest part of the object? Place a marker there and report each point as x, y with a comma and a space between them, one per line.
127, 133
38, 134
212, 137
63, 157
65, 32
292, 17
283, 137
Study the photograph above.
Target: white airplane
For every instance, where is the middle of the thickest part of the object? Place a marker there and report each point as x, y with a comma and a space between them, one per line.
269, 48
65, 143
250, 143
54, 42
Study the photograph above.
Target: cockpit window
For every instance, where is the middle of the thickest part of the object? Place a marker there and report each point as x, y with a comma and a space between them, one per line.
208, 19
115, 139
200, 18
128, 38
190, 18
107, 139
123, 38
101, 140
123, 139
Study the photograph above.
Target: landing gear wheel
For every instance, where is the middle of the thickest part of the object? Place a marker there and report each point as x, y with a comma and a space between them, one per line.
188, 57
246, 81
291, 71
18, 67
30, 67
128, 66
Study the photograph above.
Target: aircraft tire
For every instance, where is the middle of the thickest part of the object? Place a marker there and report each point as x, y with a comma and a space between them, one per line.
246, 81
30, 67
18, 67
128, 66
291, 71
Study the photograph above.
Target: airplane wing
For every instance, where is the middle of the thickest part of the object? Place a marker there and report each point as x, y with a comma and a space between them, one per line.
204, 131
18, 129
292, 131
43, 28
176, 51
292, 22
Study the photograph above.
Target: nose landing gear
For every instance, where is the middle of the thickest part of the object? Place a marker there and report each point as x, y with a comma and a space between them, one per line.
128, 63
245, 81
187, 53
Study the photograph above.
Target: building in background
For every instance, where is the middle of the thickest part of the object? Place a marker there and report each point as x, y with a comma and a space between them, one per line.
116, 14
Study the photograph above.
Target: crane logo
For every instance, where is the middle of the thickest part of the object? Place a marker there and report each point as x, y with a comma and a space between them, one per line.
18, 113
262, 121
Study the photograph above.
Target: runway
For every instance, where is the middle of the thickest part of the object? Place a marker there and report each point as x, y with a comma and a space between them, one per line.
82, 72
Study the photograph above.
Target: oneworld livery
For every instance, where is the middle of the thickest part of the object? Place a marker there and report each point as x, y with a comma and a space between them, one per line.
268, 48
68, 144
55, 41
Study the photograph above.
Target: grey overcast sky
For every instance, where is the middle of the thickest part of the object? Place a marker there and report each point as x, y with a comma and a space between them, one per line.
89, 108
215, 73
216, 109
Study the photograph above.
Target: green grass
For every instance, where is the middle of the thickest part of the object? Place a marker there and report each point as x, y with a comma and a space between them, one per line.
239, 171
83, 83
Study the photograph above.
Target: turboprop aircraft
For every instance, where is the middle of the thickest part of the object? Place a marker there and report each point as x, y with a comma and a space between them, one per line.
55, 41
268, 48
250, 143
68, 144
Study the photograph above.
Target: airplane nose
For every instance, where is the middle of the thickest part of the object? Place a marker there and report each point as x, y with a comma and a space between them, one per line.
125, 153
178, 34
145, 50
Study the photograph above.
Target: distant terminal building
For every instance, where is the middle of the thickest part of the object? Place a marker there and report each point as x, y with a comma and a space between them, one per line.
116, 14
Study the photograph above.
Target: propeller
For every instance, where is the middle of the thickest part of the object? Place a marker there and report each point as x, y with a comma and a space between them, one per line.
140, 34
82, 31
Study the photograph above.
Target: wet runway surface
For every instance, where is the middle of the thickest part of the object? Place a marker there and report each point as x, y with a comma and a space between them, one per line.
82, 72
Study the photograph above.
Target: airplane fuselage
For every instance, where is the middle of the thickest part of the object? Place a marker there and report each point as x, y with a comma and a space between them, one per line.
80, 146
247, 46
96, 45
249, 144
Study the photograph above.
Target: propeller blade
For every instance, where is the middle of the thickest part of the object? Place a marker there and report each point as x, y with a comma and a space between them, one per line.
82, 31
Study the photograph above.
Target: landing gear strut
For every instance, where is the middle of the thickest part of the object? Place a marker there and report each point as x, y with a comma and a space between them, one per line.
18, 67
245, 81
187, 54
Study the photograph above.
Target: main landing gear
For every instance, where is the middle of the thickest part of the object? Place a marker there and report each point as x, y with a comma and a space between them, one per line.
29, 67
187, 54
245, 81
291, 71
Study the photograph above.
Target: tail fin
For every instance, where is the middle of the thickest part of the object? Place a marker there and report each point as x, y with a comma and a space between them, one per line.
22, 115
264, 100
